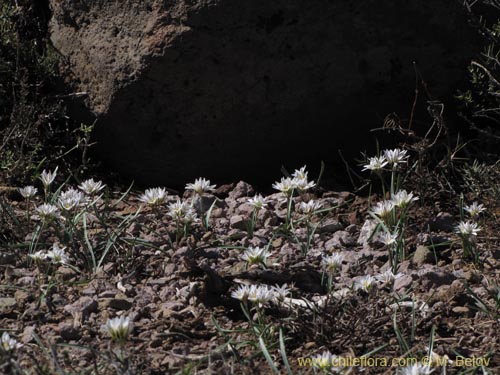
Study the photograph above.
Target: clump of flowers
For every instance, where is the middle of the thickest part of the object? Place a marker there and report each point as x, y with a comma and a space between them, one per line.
56, 255
70, 199
396, 157
326, 361
330, 264
375, 164
28, 192
154, 197
184, 215
255, 255
200, 186
47, 212
474, 210
47, 179
309, 208
416, 369
119, 328
257, 294
9, 344
388, 277
467, 231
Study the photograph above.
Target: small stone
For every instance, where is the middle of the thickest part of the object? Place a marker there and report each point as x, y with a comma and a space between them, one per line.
7, 304
340, 239
27, 335
423, 255
238, 222
68, 332
329, 226
85, 305
432, 279
403, 282
120, 302
21, 296
461, 310
444, 221
242, 189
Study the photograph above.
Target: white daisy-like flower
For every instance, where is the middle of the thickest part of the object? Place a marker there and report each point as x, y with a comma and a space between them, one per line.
286, 185
383, 209
365, 283
241, 293
302, 184
118, 328
332, 262
28, 192
467, 228
396, 156
91, 187
416, 369
474, 209
310, 207
375, 163
70, 199
8, 344
402, 199
300, 174
200, 186
255, 255
388, 239
326, 361
388, 277
47, 211
257, 202
281, 292
48, 177
154, 196
57, 255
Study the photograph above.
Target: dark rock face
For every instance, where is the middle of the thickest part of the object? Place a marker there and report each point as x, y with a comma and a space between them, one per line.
230, 89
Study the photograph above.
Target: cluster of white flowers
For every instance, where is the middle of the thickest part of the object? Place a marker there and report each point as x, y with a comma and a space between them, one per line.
257, 202
388, 239
91, 187
200, 186
401, 199
182, 212
28, 192
392, 157
261, 294
154, 196
332, 262
118, 328
388, 277
255, 255
8, 344
70, 199
383, 209
416, 369
326, 361
57, 255
310, 207
299, 181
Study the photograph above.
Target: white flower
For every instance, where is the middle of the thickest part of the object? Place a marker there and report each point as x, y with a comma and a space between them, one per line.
365, 283
388, 239
310, 207
383, 209
300, 174
91, 187
200, 186
281, 292
57, 255
255, 255
182, 212
261, 294
7, 343
388, 277
401, 199
70, 199
467, 228
47, 211
326, 361
241, 293
286, 185
302, 184
257, 202
375, 163
474, 209
332, 262
28, 192
396, 156
48, 177
154, 196
118, 328
416, 369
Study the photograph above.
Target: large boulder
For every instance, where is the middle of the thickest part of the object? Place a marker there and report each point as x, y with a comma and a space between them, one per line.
235, 88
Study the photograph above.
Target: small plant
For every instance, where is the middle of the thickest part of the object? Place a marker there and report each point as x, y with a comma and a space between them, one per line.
258, 202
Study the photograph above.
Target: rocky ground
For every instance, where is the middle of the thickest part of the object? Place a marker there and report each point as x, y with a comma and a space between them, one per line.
177, 292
